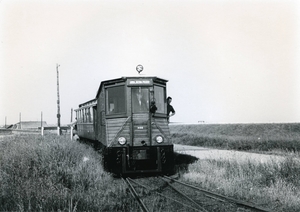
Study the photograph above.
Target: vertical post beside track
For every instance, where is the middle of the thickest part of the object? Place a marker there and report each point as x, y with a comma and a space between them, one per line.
58, 102
58, 130
42, 128
71, 133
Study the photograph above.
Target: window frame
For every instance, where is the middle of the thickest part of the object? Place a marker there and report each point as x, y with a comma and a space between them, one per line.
147, 88
114, 115
164, 113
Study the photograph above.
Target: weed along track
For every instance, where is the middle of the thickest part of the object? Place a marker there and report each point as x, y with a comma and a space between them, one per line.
165, 193
155, 197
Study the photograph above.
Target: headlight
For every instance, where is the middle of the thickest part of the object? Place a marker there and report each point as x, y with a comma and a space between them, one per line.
122, 140
159, 139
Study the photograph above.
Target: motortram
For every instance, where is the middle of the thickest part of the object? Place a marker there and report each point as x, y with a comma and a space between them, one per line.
128, 120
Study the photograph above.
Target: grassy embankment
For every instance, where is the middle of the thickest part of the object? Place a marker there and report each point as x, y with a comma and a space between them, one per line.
275, 185
52, 173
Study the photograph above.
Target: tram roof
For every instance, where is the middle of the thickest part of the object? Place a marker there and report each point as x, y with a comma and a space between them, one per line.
124, 79
87, 104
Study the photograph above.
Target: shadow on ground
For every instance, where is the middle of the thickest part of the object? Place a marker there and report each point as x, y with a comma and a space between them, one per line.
182, 162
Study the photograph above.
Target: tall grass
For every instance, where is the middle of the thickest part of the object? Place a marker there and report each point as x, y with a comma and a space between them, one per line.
254, 137
273, 185
55, 174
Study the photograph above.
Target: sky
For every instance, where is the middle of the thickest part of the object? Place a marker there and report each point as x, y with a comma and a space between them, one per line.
226, 61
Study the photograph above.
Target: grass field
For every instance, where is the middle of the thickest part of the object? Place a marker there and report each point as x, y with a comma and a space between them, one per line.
246, 137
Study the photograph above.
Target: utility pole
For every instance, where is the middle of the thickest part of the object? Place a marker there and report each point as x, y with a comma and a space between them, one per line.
20, 120
41, 119
71, 115
58, 103
42, 127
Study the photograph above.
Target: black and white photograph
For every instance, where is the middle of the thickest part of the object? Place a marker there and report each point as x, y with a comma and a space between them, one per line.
150, 105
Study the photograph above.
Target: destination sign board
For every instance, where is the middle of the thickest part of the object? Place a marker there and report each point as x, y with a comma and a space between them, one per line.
139, 82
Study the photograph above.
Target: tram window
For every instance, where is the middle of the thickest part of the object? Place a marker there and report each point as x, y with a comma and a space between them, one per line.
83, 115
77, 116
115, 100
88, 117
140, 100
80, 115
91, 114
160, 99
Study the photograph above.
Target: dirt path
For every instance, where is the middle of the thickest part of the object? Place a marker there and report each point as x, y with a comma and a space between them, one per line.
206, 153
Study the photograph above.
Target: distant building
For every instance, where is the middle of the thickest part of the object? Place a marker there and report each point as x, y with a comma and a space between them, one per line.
27, 125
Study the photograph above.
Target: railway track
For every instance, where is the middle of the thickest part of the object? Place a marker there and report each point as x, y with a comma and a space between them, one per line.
168, 194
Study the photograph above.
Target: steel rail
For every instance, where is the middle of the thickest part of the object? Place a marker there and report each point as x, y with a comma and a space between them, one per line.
182, 194
135, 195
238, 202
169, 198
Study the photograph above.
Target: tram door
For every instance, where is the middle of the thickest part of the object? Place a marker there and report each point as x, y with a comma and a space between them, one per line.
140, 116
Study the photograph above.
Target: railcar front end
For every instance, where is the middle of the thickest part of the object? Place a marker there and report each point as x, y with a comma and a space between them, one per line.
130, 124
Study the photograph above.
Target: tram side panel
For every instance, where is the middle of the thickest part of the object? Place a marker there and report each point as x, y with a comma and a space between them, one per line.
86, 130
101, 123
85, 123
119, 127
107, 130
